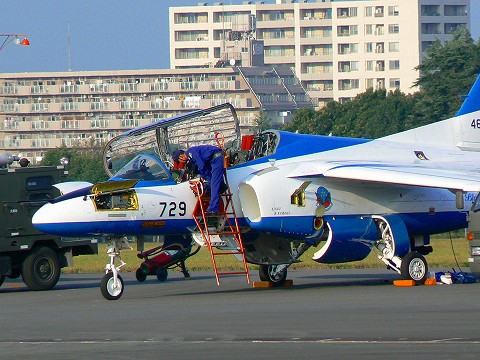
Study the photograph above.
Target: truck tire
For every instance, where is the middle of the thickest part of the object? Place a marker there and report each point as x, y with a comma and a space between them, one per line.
41, 269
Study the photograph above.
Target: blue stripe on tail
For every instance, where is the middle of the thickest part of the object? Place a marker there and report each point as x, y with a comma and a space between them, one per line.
472, 101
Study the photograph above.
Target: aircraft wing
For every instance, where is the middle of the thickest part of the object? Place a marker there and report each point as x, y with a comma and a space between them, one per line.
392, 174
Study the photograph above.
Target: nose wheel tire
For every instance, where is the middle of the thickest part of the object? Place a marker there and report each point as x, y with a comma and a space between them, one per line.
414, 267
108, 288
268, 273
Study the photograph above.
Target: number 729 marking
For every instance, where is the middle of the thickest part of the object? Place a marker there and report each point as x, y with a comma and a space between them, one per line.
173, 209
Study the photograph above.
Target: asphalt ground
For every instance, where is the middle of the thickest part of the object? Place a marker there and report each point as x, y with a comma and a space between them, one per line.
329, 314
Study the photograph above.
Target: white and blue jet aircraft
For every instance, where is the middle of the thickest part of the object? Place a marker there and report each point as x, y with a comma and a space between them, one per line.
345, 196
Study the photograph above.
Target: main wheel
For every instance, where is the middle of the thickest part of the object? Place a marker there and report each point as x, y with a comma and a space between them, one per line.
414, 267
140, 275
267, 273
162, 274
108, 288
41, 269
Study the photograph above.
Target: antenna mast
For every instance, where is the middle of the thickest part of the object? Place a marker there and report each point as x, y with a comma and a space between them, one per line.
69, 63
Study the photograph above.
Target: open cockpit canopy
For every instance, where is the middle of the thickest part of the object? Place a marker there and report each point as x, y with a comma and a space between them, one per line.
217, 125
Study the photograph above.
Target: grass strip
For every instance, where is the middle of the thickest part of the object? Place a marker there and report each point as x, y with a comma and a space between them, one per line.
446, 253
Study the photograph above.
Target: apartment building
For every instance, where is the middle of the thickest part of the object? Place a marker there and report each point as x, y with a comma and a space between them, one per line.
336, 48
42, 111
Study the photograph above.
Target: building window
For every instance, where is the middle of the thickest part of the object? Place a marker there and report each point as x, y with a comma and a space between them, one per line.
347, 30
99, 123
380, 84
70, 124
379, 11
344, 49
129, 123
451, 27
191, 18
199, 53
455, 10
375, 65
394, 47
379, 48
394, 83
393, 10
379, 29
368, 29
394, 64
368, 11
347, 66
425, 45
430, 10
393, 28
322, 68
348, 84
430, 28
346, 12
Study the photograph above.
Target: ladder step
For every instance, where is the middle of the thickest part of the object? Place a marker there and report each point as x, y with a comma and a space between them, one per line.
222, 234
229, 252
232, 273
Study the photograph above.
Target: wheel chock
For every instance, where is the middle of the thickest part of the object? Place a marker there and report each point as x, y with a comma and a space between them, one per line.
269, 284
404, 283
430, 281
262, 284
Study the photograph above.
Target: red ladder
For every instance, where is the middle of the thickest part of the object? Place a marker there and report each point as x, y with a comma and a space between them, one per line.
224, 236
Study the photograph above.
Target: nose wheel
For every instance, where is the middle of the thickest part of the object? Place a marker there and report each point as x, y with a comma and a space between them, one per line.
111, 288
112, 285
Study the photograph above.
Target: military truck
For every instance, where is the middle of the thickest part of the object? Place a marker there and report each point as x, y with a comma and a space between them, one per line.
24, 251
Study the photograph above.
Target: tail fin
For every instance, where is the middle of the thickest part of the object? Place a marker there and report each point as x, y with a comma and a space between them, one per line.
462, 130
472, 101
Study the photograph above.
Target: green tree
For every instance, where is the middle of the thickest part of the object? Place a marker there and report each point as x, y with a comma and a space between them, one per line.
83, 165
446, 73
262, 121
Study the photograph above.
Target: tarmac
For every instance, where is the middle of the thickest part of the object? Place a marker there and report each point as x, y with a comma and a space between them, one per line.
328, 314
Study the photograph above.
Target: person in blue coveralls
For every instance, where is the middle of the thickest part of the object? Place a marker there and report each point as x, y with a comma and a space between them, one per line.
209, 160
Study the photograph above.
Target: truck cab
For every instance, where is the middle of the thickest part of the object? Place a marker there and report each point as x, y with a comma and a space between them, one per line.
25, 251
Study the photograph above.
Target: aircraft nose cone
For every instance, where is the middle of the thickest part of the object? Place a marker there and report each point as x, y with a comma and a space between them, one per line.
42, 217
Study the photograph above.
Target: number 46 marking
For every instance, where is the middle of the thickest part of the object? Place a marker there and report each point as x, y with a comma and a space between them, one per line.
475, 123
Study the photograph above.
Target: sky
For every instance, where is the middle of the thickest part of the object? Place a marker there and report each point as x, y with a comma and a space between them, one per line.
104, 34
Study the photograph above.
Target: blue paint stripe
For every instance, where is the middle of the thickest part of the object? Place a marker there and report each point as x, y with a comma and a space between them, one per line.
292, 145
416, 223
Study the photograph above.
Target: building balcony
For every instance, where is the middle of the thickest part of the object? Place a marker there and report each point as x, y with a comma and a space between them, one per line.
276, 24
279, 41
316, 76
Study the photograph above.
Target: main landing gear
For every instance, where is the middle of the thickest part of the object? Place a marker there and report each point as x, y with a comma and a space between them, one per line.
412, 266
277, 273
